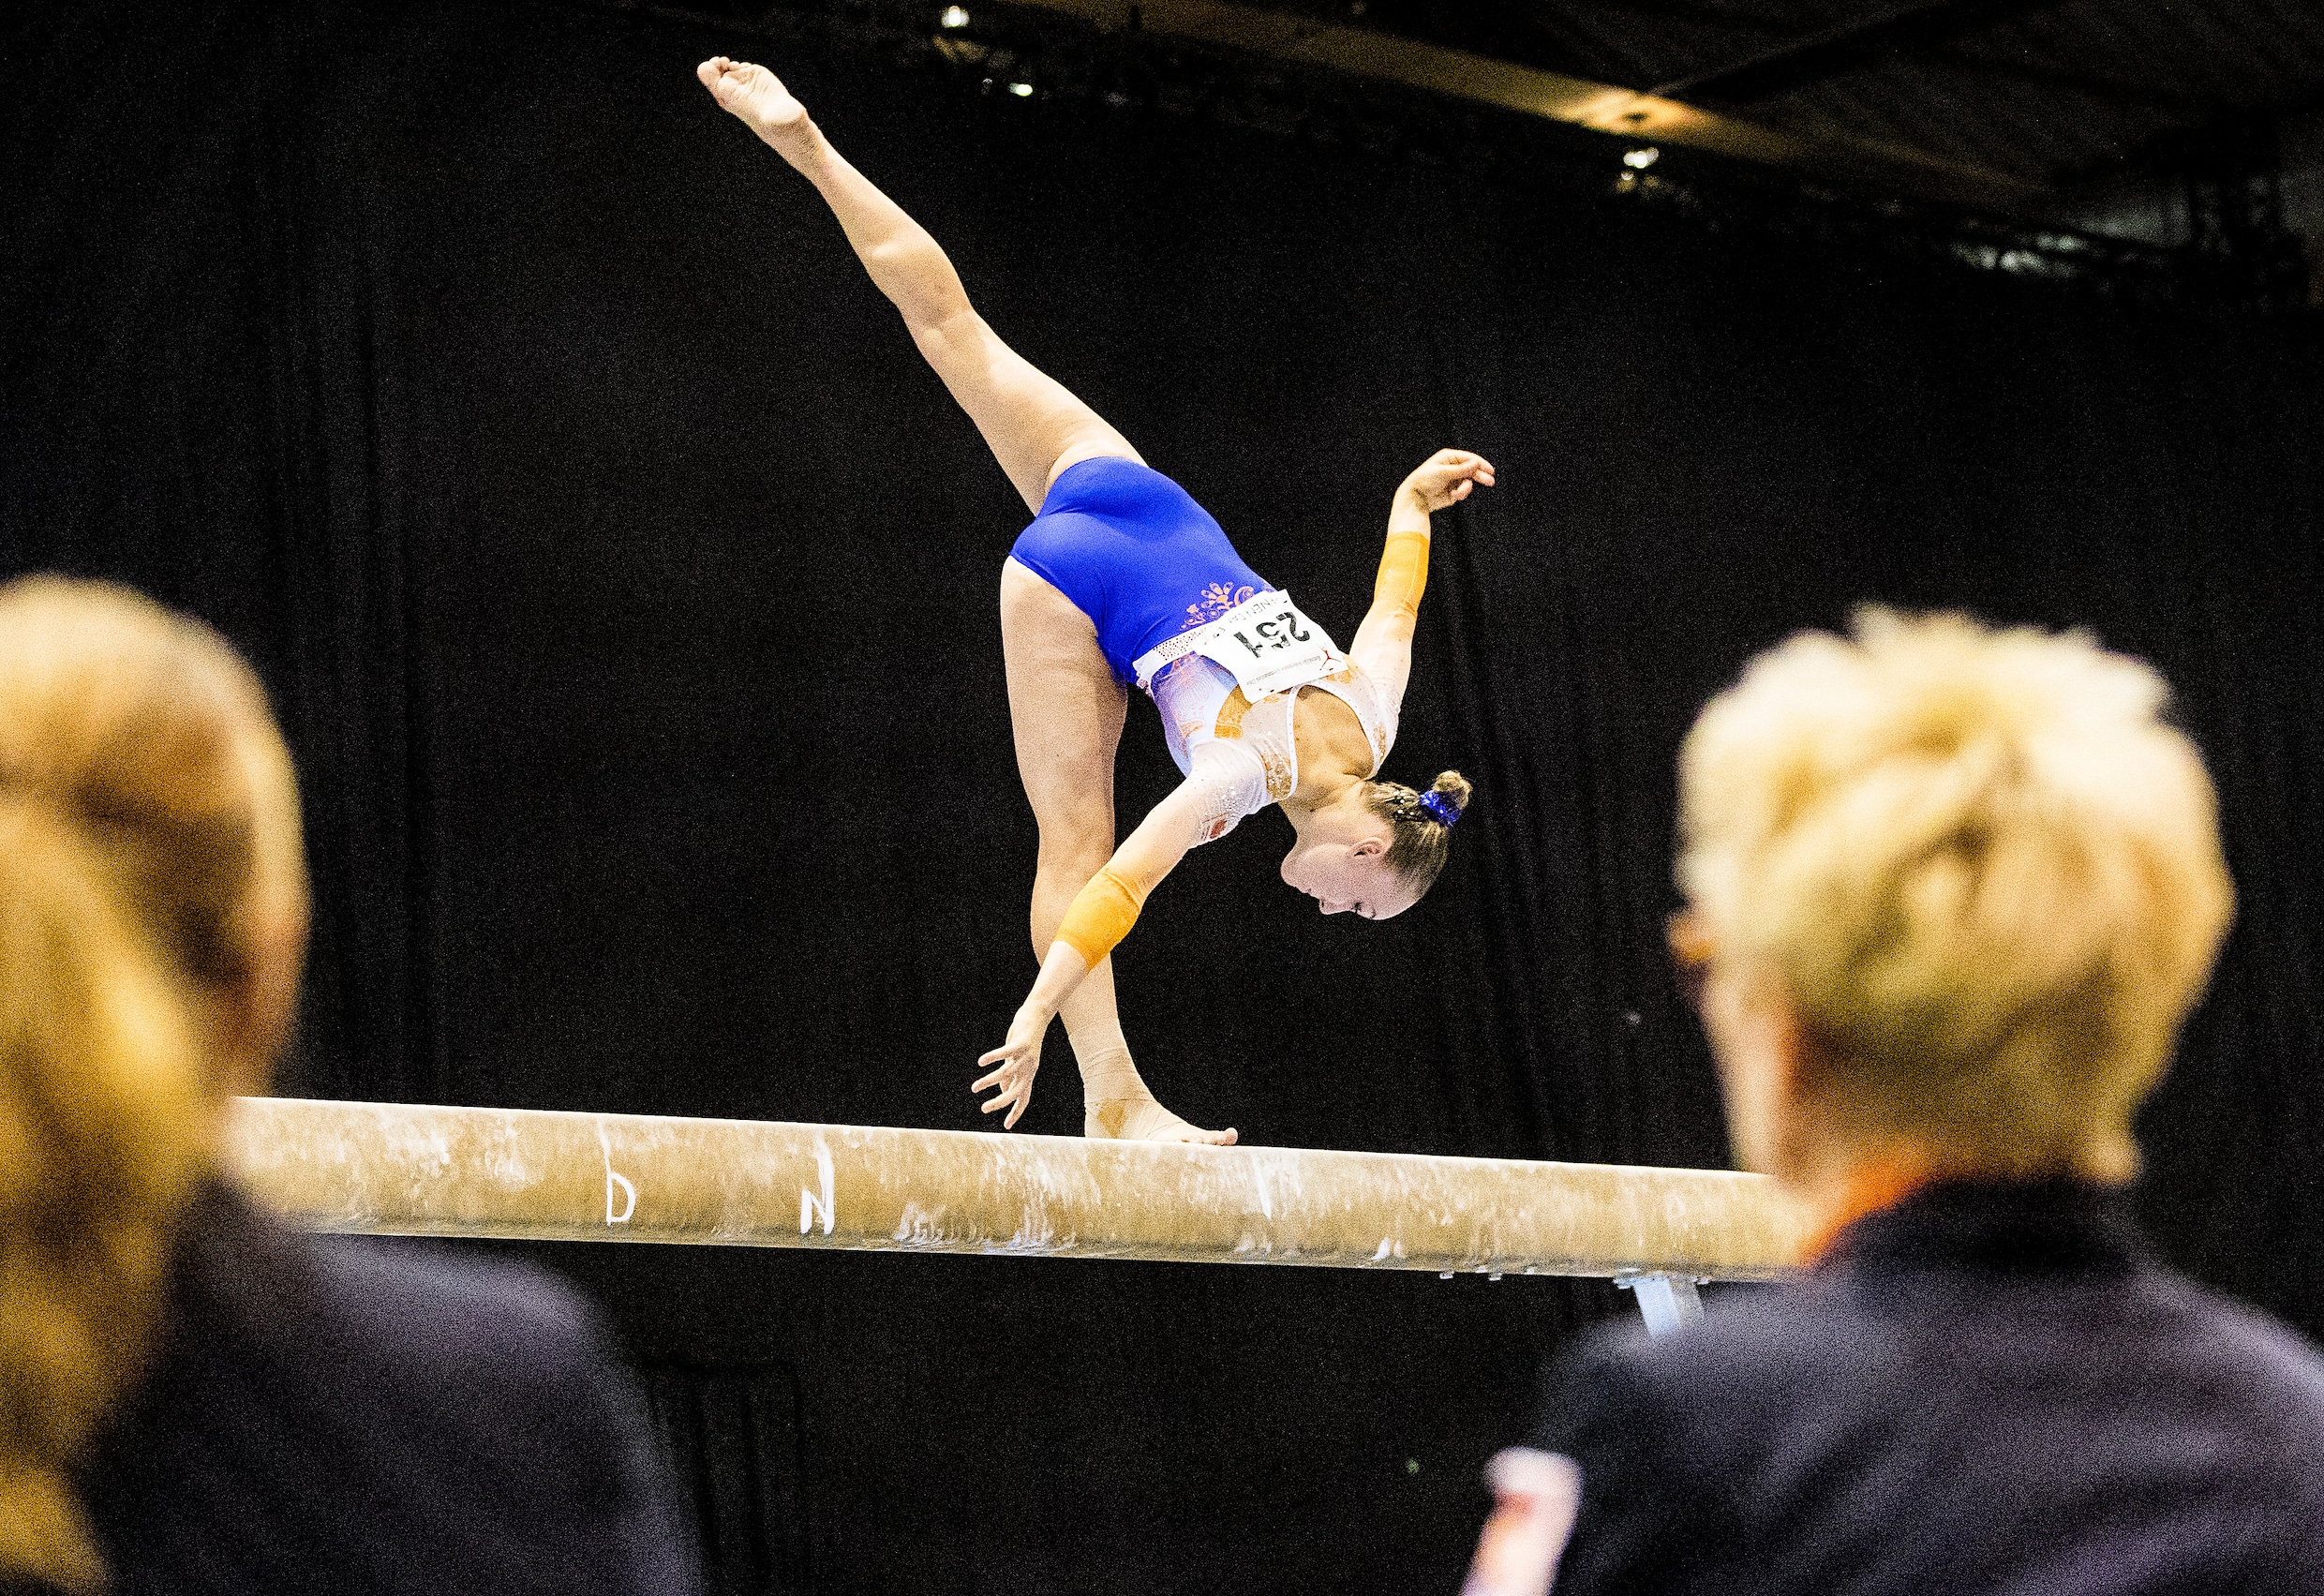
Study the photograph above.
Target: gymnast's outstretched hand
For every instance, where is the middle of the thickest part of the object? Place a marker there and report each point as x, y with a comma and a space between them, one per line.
1446, 478
1015, 1061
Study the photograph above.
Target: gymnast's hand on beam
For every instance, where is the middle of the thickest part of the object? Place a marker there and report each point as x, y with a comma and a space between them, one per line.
1446, 478
1017, 1060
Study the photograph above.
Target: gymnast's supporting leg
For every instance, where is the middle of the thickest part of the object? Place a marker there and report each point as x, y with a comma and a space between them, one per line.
1068, 711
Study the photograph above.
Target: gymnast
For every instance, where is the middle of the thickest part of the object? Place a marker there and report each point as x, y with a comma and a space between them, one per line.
1123, 579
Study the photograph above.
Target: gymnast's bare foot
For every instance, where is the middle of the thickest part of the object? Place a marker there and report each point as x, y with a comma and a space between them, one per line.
1118, 1106
1143, 1119
756, 96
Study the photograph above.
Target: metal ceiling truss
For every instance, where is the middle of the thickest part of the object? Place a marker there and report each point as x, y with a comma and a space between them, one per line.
1801, 63
1340, 87
1602, 107
1955, 52
2231, 172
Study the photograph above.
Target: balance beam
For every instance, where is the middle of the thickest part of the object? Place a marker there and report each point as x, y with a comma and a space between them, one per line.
391, 1168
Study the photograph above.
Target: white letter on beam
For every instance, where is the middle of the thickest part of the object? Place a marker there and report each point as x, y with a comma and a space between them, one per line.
809, 1204
613, 1180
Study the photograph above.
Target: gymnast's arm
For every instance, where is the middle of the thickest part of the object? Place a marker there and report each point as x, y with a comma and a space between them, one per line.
1200, 808
1035, 426
1383, 645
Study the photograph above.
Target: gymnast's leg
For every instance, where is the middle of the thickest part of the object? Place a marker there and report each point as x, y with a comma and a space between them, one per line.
1068, 711
1064, 705
1034, 427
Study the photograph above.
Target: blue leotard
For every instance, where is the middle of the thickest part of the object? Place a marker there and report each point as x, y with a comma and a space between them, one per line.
1135, 554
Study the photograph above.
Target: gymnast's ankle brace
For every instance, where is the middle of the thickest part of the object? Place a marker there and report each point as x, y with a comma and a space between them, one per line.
1110, 1077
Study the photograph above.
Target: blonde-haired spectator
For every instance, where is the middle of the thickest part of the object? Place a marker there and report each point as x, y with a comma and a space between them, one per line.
191, 1398
1950, 892
1969, 877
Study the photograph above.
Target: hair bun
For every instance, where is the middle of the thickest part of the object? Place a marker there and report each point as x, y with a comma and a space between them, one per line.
1447, 796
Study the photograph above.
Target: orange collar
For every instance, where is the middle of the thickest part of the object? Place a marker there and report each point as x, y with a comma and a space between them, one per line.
1884, 1183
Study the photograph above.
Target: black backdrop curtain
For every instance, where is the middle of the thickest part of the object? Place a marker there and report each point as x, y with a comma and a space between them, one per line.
627, 587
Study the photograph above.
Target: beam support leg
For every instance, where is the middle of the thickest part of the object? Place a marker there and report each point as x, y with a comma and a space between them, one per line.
1667, 1302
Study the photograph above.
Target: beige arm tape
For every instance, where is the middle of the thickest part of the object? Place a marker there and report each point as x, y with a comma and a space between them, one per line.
1101, 916
1402, 574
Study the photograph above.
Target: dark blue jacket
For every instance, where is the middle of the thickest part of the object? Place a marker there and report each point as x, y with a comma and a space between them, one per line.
347, 1418
1986, 1388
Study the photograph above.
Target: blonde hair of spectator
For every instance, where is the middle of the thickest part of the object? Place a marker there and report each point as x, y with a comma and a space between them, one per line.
149, 840
1985, 872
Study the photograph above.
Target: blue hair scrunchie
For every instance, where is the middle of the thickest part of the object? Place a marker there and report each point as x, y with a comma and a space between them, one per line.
1445, 812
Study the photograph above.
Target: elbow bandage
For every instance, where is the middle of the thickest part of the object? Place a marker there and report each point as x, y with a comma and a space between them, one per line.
1403, 574
1102, 915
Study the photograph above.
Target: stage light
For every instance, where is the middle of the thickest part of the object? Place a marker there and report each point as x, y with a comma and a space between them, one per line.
1638, 160
1020, 90
954, 17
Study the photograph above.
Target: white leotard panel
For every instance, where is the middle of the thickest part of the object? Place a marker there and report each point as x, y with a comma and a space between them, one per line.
1231, 782
1247, 758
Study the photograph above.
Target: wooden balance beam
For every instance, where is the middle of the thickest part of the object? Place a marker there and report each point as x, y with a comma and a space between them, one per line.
390, 1169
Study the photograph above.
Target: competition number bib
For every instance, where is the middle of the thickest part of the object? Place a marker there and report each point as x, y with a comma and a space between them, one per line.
1270, 646
1264, 641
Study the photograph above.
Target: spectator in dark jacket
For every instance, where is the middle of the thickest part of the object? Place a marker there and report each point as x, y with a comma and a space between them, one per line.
193, 1399
1951, 892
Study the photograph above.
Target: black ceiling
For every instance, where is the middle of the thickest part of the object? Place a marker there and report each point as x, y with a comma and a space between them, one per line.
2052, 91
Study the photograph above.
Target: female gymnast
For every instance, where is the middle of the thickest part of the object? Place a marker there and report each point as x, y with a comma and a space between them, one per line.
1123, 579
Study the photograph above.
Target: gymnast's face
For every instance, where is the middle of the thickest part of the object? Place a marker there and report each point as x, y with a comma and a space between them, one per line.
1348, 877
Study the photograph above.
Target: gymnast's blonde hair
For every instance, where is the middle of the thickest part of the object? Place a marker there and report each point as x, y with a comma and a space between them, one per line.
148, 836
1421, 843
1985, 870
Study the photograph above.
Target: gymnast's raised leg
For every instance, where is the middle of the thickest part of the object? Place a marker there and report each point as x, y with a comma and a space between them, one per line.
1065, 707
